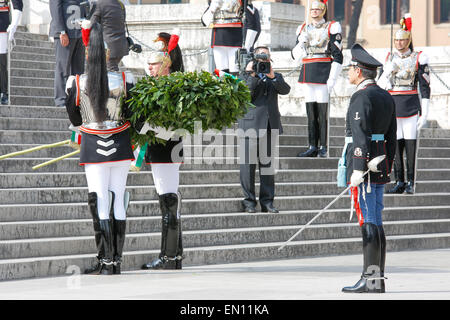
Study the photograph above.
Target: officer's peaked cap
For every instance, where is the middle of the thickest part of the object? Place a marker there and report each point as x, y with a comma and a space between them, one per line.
362, 59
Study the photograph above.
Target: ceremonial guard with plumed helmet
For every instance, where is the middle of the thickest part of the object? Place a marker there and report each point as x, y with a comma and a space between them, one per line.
319, 47
165, 162
94, 105
406, 73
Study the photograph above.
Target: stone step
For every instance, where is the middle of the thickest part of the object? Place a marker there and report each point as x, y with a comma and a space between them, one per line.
429, 163
434, 133
77, 179
30, 82
72, 164
32, 73
190, 191
16, 230
229, 150
21, 212
32, 91
33, 49
35, 43
35, 123
433, 174
52, 266
27, 248
32, 100
23, 34
39, 65
144, 177
17, 55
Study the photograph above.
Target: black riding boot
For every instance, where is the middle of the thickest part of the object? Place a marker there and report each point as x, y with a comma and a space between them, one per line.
119, 241
322, 111
171, 234
372, 260
92, 203
410, 147
119, 230
399, 168
107, 237
382, 256
313, 131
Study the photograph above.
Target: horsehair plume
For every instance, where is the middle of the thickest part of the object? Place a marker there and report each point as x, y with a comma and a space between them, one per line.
97, 76
406, 22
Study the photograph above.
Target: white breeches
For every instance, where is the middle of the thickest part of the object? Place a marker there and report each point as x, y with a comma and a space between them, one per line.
166, 177
315, 92
3, 42
225, 58
407, 128
104, 177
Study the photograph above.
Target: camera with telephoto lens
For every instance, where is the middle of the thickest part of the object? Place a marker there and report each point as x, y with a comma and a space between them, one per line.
134, 46
261, 66
243, 58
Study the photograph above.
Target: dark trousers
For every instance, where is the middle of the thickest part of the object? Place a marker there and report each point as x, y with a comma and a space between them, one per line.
317, 123
264, 158
113, 63
69, 61
4, 73
399, 168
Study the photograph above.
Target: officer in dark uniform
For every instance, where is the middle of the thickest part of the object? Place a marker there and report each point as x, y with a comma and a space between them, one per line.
68, 44
370, 132
7, 29
111, 15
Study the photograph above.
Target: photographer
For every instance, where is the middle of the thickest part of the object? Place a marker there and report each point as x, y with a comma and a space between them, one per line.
260, 124
111, 15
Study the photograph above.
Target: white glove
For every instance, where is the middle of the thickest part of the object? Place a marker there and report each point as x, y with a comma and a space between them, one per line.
334, 74
250, 39
357, 178
16, 15
11, 31
161, 133
69, 83
423, 118
299, 52
384, 82
215, 4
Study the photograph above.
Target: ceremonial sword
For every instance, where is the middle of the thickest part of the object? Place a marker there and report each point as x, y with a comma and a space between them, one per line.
372, 165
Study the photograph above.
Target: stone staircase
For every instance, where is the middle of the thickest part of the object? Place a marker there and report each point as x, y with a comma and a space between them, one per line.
45, 226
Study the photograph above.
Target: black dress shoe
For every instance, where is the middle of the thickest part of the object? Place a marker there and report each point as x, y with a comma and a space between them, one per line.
310, 153
248, 206
409, 188
96, 269
160, 264
269, 208
323, 152
362, 286
4, 99
250, 209
398, 188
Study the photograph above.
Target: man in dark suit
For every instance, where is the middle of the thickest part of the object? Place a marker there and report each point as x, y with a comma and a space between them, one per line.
69, 46
111, 15
261, 125
370, 132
